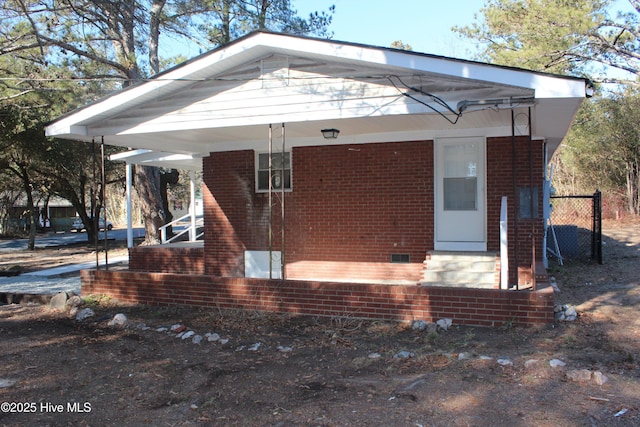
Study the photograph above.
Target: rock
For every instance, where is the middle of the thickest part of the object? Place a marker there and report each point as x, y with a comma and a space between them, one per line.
374, 356
119, 320
177, 328
565, 312
7, 382
465, 356
504, 361
255, 347
223, 341
419, 325
284, 349
579, 375
403, 355
197, 339
162, 329
621, 412
59, 301
74, 301
73, 311
444, 323
555, 363
84, 314
187, 335
599, 378
212, 337
531, 363
570, 313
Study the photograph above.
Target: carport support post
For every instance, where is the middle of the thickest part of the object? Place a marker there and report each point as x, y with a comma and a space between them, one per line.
192, 201
104, 206
129, 174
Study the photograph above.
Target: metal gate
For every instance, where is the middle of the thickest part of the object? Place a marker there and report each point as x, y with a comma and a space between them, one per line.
575, 228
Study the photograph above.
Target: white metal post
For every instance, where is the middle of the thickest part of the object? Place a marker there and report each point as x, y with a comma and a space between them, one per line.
192, 201
504, 246
129, 171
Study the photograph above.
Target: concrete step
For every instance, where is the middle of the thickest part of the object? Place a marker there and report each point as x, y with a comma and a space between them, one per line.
460, 277
461, 264
460, 269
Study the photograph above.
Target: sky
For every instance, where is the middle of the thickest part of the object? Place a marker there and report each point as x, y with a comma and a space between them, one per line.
423, 24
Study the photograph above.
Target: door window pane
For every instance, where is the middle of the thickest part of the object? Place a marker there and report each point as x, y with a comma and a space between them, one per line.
460, 194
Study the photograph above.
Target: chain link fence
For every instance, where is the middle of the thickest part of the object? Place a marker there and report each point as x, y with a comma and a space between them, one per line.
575, 228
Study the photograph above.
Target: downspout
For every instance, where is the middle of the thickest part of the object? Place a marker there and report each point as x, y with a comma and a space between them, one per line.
532, 218
270, 213
516, 210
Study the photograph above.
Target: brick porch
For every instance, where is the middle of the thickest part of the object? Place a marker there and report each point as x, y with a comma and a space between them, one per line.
479, 307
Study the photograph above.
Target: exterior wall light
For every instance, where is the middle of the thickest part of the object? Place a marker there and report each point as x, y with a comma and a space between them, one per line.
330, 133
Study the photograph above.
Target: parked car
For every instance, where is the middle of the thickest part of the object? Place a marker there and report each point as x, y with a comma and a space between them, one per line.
78, 225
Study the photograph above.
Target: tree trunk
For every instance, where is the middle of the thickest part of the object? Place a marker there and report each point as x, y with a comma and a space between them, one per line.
168, 178
31, 209
262, 14
154, 34
147, 183
33, 217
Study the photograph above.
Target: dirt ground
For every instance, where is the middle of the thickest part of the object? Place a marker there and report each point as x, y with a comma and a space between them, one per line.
273, 370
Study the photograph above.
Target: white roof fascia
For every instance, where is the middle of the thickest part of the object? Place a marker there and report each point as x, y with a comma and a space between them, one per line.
151, 157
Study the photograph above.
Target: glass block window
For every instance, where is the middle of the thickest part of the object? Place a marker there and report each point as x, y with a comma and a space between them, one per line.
279, 177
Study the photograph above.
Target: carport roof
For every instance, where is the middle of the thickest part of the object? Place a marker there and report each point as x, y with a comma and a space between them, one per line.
226, 99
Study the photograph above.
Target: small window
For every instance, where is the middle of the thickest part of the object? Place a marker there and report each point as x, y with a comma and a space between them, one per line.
280, 173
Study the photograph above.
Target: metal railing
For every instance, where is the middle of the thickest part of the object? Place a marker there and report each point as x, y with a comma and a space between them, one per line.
191, 228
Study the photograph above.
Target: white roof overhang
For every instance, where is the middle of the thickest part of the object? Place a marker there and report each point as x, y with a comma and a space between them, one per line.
159, 159
226, 99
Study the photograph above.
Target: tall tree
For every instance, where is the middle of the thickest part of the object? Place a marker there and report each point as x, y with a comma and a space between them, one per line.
606, 139
578, 37
19, 147
562, 36
106, 41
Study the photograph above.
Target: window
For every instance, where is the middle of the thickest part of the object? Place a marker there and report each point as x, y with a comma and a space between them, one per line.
280, 173
460, 181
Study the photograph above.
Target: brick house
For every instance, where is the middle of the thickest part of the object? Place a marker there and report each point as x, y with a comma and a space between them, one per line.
341, 178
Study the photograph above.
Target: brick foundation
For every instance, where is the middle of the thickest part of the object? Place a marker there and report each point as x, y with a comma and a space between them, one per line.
478, 307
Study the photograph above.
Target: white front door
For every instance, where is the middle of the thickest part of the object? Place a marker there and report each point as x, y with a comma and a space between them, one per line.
460, 222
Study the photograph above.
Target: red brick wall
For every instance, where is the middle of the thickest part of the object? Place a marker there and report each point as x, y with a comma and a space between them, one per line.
351, 207
349, 204
167, 259
500, 183
481, 307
